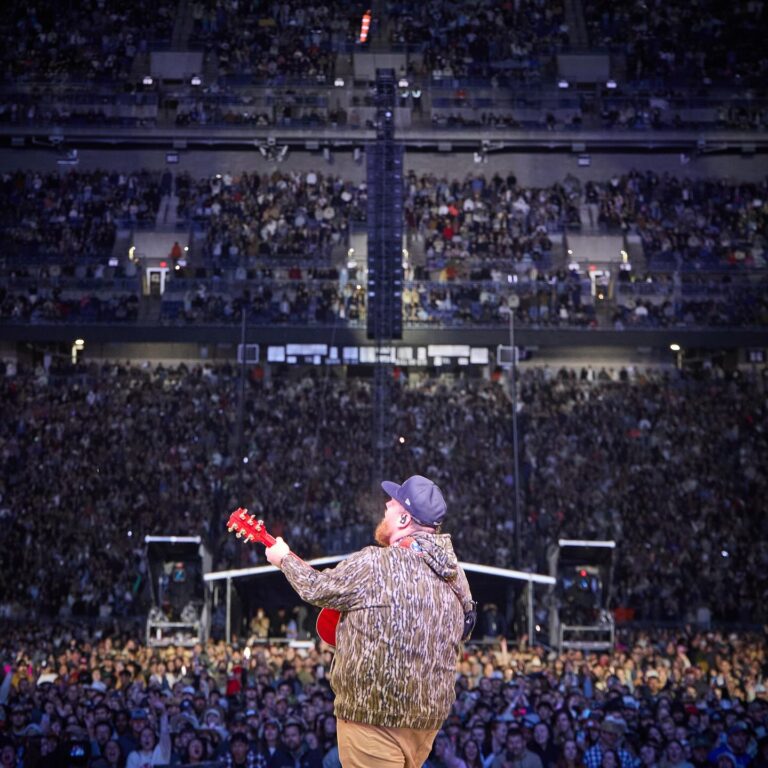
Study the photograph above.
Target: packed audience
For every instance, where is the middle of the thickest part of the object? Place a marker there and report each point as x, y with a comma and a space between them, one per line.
91, 40
683, 223
508, 42
624, 455
286, 296
75, 697
491, 222
254, 217
276, 41
710, 43
473, 241
59, 305
706, 300
664, 109
72, 217
76, 107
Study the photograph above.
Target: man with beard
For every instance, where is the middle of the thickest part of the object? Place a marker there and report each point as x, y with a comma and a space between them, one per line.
406, 606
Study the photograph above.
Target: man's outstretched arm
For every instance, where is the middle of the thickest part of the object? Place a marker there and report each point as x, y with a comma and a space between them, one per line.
345, 587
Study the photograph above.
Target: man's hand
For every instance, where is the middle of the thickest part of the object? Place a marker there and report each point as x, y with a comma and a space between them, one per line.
277, 552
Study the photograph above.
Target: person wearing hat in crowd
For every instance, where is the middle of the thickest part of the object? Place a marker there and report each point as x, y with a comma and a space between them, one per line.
700, 746
611, 734
736, 745
153, 749
404, 609
272, 751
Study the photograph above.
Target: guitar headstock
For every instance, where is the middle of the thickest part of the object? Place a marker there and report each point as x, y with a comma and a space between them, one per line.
248, 528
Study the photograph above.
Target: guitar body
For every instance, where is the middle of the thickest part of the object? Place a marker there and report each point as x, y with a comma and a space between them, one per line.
247, 528
326, 625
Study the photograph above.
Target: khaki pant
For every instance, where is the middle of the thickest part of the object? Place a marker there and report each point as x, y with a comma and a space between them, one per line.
374, 746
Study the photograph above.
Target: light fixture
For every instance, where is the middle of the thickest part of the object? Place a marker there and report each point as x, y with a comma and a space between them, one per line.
147, 80
563, 84
196, 80
339, 82
402, 83
674, 347
611, 85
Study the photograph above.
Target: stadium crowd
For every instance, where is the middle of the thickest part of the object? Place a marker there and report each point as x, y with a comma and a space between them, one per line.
86, 41
717, 44
44, 305
281, 215
545, 299
623, 455
73, 696
72, 217
509, 42
277, 40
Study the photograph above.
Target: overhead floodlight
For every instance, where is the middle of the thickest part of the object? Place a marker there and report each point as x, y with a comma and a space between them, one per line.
563, 84
147, 80
402, 83
196, 80
339, 82
611, 85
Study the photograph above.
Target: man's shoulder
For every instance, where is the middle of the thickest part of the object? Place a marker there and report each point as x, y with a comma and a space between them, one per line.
531, 759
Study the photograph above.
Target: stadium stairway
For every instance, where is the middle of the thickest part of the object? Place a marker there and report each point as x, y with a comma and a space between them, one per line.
636, 254
182, 26
577, 28
167, 213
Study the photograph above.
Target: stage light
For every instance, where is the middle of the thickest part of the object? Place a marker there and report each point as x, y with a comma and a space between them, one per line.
339, 82
147, 80
563, 84
674, 347
196, 80
402, 83
611, 85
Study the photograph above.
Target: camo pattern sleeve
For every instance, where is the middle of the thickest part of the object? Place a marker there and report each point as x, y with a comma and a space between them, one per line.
399, 636
344, 587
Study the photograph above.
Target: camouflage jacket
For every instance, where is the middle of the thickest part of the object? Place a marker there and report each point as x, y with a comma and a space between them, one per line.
400, 632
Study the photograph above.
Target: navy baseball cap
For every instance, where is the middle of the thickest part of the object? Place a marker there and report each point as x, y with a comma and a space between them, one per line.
421, 497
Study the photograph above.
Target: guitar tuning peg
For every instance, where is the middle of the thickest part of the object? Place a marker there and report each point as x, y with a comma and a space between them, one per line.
239, 534
242, 514
248, 538
230, 528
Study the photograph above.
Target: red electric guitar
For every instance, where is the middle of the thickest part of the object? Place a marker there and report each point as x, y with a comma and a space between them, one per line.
248, 529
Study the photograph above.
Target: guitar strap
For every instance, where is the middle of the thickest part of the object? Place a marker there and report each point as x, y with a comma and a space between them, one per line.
468, 606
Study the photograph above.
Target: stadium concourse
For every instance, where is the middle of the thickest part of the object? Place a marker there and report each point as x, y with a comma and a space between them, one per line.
191, 321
